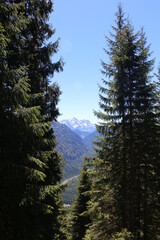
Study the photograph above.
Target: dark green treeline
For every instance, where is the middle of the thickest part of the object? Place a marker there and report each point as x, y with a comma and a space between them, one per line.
125, 193
30, 168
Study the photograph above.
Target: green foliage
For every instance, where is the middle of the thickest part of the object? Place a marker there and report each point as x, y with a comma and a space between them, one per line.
30, 168
123, 235
125, 172
81, 218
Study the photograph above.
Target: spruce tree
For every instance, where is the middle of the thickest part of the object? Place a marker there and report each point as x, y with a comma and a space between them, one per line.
81, 218
38, 52
30, 166
14, 89
127, 155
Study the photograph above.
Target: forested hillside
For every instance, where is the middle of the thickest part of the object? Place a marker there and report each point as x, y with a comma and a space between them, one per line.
90, 141
72, 148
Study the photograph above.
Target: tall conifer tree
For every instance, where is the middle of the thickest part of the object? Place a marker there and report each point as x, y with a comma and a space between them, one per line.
128, 153
81, 218
30, 165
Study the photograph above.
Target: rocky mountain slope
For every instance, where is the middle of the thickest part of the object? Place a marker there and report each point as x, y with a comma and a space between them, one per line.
80, 125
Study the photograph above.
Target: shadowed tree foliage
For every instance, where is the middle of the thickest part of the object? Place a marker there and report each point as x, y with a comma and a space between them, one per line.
30, 168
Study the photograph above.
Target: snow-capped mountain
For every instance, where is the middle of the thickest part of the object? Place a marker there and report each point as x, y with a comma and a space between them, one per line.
80, 125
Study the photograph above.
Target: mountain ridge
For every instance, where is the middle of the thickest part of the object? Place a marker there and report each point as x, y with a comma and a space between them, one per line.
79, 125
72, 147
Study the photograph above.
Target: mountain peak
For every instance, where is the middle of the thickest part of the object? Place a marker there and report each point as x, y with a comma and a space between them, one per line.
81, 125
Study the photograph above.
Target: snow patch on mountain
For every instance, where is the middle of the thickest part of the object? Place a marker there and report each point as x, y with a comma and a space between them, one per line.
81, 125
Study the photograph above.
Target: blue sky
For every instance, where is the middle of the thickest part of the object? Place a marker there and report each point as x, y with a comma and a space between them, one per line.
82, 25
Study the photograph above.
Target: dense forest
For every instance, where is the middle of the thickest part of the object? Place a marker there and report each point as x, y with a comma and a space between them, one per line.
118, 192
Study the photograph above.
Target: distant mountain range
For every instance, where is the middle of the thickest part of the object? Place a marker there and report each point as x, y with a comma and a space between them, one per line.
79, 125
73, 144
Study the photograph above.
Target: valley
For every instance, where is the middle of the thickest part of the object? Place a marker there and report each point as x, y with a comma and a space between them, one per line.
74, 142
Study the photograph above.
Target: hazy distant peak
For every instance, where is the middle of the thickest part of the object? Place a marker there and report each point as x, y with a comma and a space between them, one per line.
81, 125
